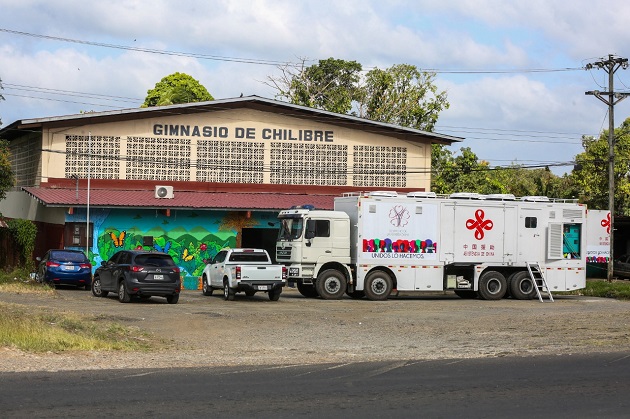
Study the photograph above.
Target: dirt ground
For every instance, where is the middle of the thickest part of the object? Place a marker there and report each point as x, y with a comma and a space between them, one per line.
296, 330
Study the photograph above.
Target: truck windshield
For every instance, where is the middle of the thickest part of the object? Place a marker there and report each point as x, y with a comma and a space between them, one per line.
291, 229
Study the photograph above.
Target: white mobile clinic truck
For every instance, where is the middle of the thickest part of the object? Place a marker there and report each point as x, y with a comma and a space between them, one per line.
490, 246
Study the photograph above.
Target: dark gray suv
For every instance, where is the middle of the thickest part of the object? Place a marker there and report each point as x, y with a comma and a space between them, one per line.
138, 273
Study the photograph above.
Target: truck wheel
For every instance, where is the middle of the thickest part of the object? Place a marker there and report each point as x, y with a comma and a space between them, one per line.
492, 285
307, 290
330, 284
469, 295
228, 293
274, 295
522, 286
123, 295
205, 287
378, 285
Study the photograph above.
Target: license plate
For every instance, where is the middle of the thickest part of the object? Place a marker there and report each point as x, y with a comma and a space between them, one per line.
157, 276
67, 268
262, 287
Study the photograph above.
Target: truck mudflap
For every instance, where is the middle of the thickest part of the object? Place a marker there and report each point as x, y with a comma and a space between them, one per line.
259, 286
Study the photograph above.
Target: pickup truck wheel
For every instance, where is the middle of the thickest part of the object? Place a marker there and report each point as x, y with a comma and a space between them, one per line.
331, 284
274, 295
228, 293
307, 290
206, 289
378, 286
492, 285
123, 295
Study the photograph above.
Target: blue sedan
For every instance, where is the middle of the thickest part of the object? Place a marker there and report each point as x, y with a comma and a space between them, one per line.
65, 267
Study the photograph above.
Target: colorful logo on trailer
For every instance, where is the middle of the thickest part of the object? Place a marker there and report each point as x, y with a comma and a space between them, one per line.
399, 246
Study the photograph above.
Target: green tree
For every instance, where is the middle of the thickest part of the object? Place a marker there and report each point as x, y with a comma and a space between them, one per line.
176, 88
589, 181
331, 84
401, 95
6, 174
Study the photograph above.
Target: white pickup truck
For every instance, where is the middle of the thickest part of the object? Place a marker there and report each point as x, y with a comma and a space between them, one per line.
248, 270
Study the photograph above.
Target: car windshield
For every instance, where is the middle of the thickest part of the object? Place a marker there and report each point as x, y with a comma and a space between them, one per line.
290, 229
154, 260
66, 256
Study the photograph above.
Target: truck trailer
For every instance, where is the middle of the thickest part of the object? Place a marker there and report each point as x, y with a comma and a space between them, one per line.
378, 244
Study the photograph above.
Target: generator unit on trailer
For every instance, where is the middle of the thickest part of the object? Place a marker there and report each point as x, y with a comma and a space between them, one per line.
490, 246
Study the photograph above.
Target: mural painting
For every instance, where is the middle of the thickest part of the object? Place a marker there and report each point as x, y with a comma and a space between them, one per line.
192, 238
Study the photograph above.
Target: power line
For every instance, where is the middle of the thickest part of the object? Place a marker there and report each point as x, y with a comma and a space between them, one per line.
150, 50
273, 62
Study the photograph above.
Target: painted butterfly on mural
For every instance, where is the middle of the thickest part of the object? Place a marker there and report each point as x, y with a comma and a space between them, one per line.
186, 256
164, 249
119, 240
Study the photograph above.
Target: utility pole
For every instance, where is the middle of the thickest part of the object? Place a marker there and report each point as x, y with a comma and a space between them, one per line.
610, 66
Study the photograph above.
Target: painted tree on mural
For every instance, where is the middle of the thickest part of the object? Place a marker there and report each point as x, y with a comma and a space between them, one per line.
176, 88
237, 221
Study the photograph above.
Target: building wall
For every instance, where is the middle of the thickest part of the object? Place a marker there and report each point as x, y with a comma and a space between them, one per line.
192, 238
235, 146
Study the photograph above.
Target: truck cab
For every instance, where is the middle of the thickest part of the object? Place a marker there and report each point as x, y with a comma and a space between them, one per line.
311, 242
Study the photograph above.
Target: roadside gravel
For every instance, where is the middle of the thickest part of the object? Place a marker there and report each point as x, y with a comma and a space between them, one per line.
208, 331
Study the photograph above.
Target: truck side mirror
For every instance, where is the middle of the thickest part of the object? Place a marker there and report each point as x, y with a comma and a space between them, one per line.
310, 229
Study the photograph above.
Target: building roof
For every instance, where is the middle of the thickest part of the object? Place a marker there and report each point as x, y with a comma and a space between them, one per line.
249, 102
117, 198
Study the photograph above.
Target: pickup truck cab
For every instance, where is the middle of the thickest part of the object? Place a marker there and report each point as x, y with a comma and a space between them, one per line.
244, 270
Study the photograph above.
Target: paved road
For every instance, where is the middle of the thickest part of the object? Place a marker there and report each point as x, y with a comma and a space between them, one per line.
569, 386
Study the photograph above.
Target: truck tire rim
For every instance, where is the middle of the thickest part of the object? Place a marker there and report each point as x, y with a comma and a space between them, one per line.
526, 286
226, 290
379, 286
494, 286
332, 285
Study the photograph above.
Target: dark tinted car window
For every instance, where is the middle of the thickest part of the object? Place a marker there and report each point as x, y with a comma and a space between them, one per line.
248, 257
125, 258
154, 260
66, 256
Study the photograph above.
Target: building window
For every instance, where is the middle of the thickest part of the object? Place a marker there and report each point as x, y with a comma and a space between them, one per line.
158, 159
74, 235
230, 161
104, 156
309, 164
379, 166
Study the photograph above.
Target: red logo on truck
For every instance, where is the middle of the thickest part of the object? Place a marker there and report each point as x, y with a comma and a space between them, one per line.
606, 223
479, 224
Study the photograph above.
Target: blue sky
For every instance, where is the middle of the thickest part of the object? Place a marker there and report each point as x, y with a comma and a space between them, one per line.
517, 116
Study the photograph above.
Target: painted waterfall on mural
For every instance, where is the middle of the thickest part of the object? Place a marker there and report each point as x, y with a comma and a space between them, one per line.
192, 238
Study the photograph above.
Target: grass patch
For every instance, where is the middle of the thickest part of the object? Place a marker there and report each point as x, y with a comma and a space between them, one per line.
20, 281
43, 331
602, 288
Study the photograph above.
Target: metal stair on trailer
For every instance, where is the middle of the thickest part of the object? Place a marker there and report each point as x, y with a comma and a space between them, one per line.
539, 281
